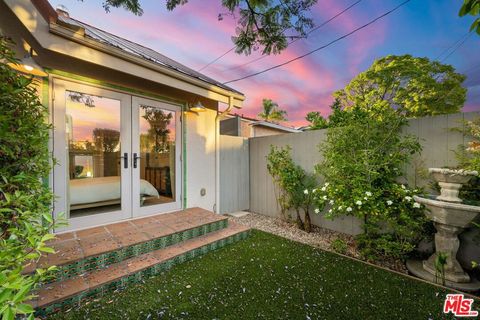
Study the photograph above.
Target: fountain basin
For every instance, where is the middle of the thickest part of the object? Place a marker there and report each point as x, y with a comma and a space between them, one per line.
452, 176
450, 182
449, 213
450, 217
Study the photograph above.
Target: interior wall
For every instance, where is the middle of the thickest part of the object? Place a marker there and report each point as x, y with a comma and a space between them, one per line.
200, 157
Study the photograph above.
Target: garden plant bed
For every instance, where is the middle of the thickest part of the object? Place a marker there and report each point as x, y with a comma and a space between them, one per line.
319, 237
270, 277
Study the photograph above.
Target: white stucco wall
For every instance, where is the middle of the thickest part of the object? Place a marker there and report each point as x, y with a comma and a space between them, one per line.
200, 157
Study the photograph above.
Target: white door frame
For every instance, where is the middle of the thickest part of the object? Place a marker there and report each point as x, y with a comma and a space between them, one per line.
137, 210
60, 152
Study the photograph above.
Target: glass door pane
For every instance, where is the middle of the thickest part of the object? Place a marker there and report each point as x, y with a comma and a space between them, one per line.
156, 157
92, 128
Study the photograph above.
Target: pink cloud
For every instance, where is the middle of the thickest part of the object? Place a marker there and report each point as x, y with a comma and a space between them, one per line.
361, 44
295, 99
193, 33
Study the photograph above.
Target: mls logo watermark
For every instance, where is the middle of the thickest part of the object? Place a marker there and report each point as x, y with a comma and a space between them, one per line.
459, 306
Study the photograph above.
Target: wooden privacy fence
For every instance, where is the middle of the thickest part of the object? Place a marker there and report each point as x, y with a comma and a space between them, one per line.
234, 174
438, 140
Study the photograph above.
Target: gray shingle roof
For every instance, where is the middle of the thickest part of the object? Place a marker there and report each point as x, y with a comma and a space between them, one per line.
138, 50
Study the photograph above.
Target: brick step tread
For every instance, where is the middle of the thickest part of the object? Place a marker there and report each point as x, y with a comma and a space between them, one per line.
90, 243
62, 290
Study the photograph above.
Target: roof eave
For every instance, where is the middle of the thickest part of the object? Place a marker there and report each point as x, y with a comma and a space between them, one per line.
39, 19
79, 37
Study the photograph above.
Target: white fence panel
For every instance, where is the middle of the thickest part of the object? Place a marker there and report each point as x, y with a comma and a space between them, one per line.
234, 174
436, 134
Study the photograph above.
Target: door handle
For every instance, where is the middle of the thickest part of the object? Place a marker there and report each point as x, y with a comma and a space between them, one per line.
125, 160
135, 158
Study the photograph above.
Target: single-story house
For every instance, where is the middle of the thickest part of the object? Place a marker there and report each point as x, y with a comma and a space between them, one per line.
135, 132
242, 126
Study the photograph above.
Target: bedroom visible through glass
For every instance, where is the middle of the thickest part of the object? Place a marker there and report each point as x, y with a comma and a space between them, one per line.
157, 160
93, 125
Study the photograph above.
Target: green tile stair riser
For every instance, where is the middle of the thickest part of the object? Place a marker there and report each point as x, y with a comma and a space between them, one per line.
188, 234
204, 250
176, 238
137, 277
196, 232
104, 260
160, 243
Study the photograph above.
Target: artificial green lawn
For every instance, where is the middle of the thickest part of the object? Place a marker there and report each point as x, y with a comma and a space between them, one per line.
269, 277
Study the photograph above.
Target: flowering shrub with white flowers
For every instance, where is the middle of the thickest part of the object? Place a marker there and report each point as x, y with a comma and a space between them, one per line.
363, 160
394, 222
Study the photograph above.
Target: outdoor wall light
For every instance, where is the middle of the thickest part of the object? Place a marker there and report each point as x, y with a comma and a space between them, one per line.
197, 107
28, 65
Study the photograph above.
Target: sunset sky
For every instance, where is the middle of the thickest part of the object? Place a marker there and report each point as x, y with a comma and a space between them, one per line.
83, 120
193, 35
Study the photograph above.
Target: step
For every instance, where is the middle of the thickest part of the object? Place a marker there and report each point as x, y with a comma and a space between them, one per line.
69, 293
96, 248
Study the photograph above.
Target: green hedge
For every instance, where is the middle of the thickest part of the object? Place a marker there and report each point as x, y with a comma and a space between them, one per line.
25, 202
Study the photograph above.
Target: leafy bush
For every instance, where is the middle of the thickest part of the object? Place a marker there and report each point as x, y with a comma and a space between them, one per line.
295, 189
25, 219
304, 195
363, 160
469, 158
285, 175
469, 155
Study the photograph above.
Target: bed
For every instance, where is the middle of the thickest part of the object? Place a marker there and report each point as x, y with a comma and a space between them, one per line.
103, 191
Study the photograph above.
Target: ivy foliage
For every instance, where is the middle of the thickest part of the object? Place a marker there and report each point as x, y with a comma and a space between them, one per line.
363, 159
25, 219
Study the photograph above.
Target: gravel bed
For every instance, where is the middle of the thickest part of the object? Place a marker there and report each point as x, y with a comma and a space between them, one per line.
320, 237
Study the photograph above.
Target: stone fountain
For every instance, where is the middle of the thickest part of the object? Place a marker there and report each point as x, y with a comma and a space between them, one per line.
450, 217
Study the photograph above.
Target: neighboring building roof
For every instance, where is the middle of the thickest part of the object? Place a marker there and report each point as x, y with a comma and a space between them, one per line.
139, 51
275, 126
303, 128
257, 122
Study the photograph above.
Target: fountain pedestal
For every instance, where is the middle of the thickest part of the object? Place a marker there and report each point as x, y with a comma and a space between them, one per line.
450, 217
449, 192
446, 241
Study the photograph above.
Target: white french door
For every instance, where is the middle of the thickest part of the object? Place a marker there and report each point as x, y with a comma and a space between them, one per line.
156, 150
117, 155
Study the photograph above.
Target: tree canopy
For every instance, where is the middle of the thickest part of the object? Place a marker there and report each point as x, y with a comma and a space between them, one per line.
317, 121
415, 87
472, 7
271, 112
265, 24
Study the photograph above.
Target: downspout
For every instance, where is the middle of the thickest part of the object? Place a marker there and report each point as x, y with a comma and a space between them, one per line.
217, 152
